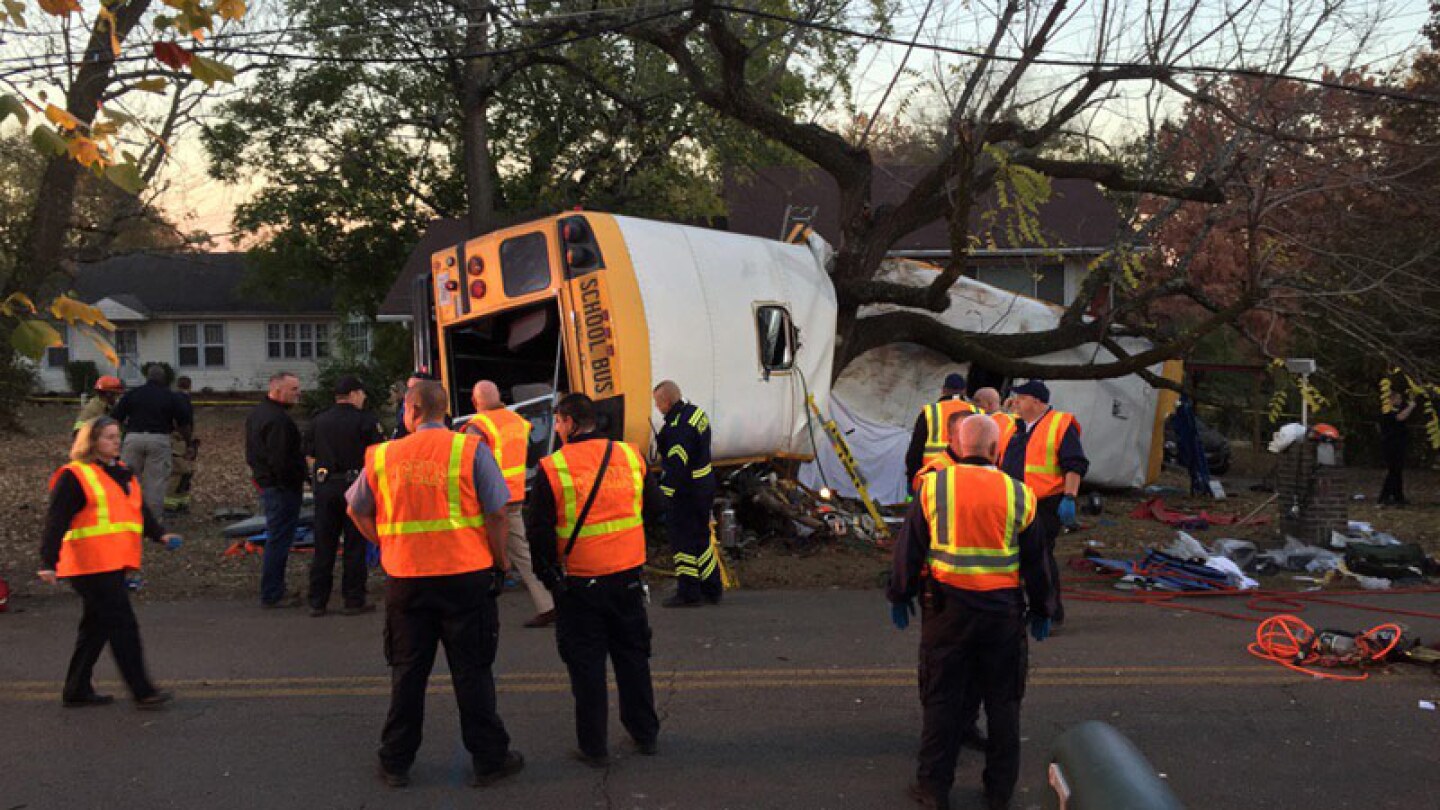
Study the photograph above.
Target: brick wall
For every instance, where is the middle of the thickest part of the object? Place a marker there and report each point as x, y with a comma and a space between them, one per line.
1314, 498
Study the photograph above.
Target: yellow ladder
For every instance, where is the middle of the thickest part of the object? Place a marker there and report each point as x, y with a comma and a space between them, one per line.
842, 449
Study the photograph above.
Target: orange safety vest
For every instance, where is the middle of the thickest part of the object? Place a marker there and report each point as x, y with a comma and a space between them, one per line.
105, 534
427, 511
1042, 458
613, 537
975, 515
1007, 422
936, 464
937, 416
507, 434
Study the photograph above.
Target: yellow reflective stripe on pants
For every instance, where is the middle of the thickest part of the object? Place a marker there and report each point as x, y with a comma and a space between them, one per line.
702, 472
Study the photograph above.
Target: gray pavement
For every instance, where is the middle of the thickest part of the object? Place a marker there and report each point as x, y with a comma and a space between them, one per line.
774, 700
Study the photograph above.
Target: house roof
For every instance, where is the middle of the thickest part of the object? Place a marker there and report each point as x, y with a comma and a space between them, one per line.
162, 284
439, 234
1076, 216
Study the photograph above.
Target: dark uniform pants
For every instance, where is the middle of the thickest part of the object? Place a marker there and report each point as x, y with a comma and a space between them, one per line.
421, 613
331, 523
1047, 514
600, 617
1392, 491
107, 619
687, 521
968, 657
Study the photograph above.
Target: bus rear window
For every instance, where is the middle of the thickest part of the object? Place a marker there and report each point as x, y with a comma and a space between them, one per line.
524, 264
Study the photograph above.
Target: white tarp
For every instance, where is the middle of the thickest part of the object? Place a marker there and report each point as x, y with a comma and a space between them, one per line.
878, 448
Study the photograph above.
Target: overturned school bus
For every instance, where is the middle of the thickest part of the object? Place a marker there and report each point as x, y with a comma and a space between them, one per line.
610, 305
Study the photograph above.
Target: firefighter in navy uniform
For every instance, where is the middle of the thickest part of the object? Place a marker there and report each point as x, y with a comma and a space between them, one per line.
688, 483
335, 441
927, 440
969, 541
587, 538
434, 502
1044, 451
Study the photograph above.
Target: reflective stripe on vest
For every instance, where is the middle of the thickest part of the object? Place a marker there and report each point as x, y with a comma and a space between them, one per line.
975, 516
105, 534
509, 442
428, 513
937, 416
571, 497
1042, 459
936, 464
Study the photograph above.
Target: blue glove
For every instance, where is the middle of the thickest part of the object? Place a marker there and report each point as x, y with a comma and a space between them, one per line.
1067, 510
174, 542
900, 613
1039, 628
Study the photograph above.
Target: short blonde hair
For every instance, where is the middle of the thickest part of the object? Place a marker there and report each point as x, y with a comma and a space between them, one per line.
83, 449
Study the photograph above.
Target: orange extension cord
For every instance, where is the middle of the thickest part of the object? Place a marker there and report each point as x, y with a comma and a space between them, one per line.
1283, 639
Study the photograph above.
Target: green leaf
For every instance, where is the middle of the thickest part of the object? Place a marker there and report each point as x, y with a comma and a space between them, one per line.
32, 338
10, 105
209, 71
126, 176
48, 142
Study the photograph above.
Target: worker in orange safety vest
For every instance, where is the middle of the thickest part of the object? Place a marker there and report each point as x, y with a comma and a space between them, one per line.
507, 434
928, 440
588, 538
434, 502
93, 530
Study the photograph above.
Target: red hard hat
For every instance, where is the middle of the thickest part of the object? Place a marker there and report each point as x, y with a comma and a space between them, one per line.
1325, 431
109, 383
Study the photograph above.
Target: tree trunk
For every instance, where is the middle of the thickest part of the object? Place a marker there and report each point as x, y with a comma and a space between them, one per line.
481, 188
42, 251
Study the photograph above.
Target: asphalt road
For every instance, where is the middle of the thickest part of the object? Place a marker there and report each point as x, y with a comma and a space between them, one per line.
775, 700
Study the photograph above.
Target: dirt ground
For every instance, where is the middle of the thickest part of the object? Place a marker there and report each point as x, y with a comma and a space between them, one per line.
223, 482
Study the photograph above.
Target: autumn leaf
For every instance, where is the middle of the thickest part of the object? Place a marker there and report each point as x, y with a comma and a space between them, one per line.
60, 8
13, 13
74, 311
84, 151
106, 16
231, 10
61, 118
172, 55
126, 176
10, 105
48, 142
152, 85
32, 338
17, 302
209, 71
103, 344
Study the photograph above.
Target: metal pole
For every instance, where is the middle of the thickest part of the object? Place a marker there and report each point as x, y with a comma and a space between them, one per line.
1304, 401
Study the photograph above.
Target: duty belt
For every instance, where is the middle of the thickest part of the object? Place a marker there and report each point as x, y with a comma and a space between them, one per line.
322, 474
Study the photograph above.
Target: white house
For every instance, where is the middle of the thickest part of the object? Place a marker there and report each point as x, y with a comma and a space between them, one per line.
200, 313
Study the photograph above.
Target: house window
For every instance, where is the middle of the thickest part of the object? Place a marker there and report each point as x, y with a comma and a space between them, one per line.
357, 338
297, 341
777, 338
59, 356
1045, 283
200, 345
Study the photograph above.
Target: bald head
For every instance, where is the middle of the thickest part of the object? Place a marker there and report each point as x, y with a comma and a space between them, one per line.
486, 396
979, 437
667, 393
425, 402
988, 399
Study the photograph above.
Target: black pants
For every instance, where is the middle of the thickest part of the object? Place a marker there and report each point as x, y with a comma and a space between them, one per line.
420, 614
596, 618
330, 523
697, 572
968, 657
107, 619
1393, 490
1047, 514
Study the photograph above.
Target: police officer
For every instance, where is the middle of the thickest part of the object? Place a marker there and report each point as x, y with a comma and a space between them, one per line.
507, 434
434, 502
588, 539
688, 483
969, 541
927, 440
1044, 451
335, 442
